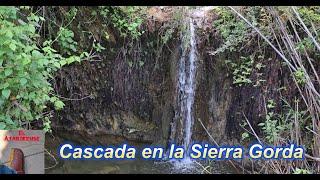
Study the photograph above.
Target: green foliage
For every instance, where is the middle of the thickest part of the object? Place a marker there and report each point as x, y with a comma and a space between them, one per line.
244, 136
126, 19
300, 76
71, 14
310, 14
271, 104
274, 125
232, 31
311, 18
301, 171
236, 34
66, 42
277, 126
241, 72
302, 117
282, 27
271, 128
175, 24
98, 47
305, 44
26, 68
167, 35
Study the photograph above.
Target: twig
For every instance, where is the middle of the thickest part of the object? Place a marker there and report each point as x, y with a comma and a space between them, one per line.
56, 162
313, 158
252, 128
214, 141
70, 99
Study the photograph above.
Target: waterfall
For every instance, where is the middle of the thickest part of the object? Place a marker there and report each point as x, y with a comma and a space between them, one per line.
186, 83
186, 92
186, 86
190, 87
187, 73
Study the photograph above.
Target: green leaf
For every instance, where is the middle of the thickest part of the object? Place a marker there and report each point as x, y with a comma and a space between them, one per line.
2, 125
31, 29
12, 47
56, 64
23, 81
36, 54
63, 62
36, 18
26, 61
53, 99
9, 34
4, 86
77, 58
6, 93
8, 120
8, 72
70, 60
58, 105
245, 135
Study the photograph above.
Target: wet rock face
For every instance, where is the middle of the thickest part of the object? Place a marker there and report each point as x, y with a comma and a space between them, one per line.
213, 99
128, 93
131, 93
124, 124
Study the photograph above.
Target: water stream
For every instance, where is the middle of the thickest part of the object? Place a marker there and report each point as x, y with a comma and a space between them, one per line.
186, 84
186, 91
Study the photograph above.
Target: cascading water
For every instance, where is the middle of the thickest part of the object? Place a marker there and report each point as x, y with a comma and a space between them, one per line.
186, 87
186, 91
189, 86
